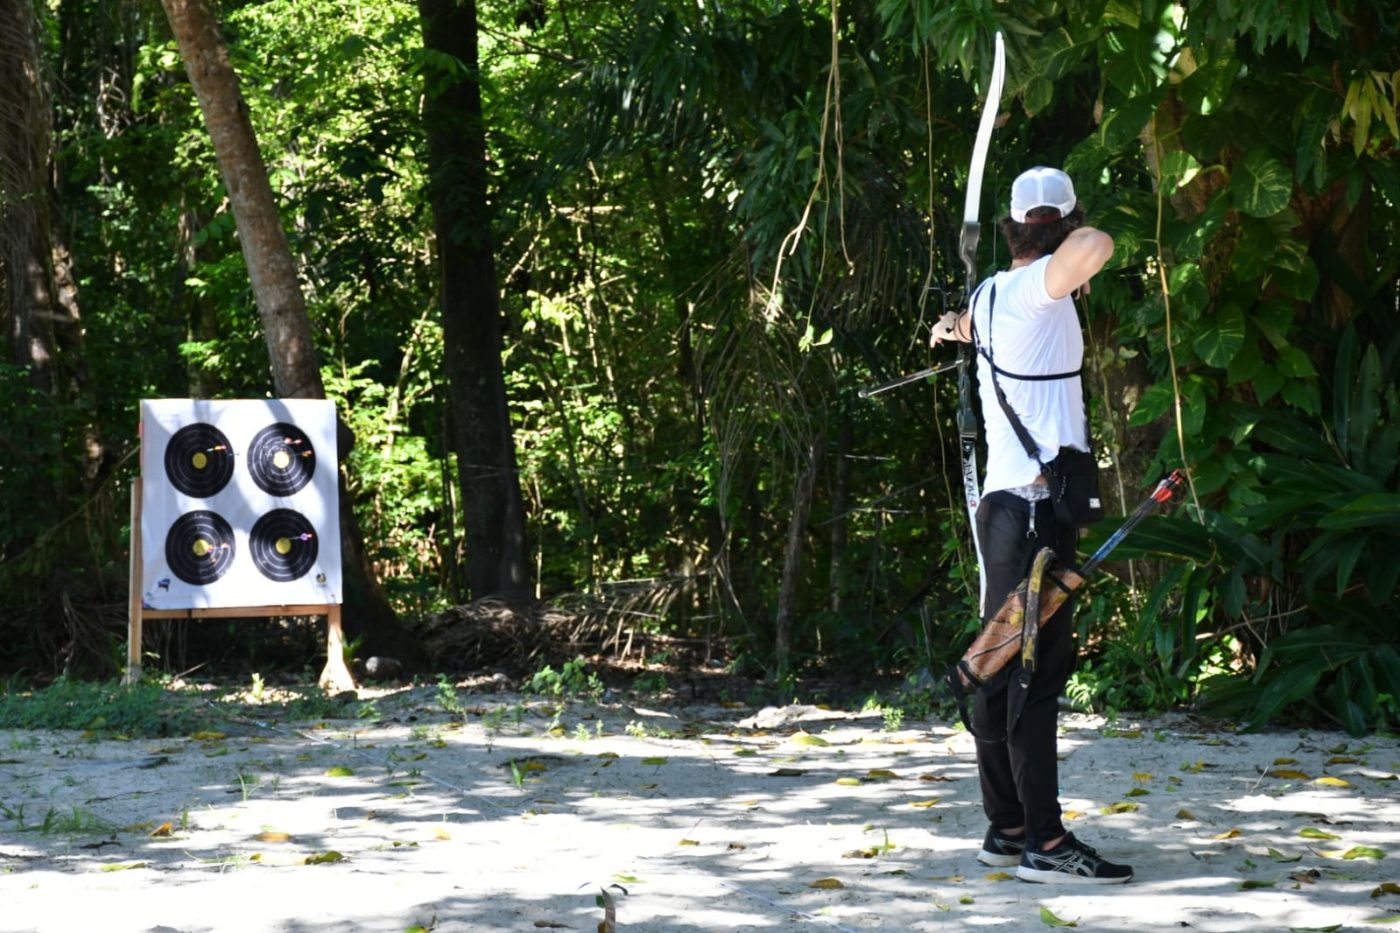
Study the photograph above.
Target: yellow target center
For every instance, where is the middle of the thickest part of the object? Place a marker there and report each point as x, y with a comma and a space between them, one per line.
283, 545
200, 460
282, 459
202, 548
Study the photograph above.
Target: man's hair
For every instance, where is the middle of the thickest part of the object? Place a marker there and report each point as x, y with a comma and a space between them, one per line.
1042, 233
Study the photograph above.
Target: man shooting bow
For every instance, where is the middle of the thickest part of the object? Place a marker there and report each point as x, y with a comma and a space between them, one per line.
1026, 330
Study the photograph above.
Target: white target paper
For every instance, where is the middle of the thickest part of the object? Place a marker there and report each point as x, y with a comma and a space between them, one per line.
239, 503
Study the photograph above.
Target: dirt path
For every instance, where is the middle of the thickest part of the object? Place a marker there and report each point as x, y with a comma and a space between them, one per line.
514, 814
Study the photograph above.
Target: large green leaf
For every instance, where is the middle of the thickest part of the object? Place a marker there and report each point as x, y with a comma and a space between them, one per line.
1260, 185
1222, 336
1155, 402
1383, 575
1122, 125
1294, 363
1246, 362
1285, 687
1208, 87
1134, 64
1374, 510
1172, 536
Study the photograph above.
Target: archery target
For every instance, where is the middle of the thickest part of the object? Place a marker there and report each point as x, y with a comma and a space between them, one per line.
240, 503
199, 547
281, 459
283, 545
199, 460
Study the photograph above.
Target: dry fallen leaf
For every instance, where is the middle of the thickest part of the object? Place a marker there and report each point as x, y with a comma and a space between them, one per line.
273, 836
1233, 833
162, 831
924, 804
868, 852
826, 884
1289, 774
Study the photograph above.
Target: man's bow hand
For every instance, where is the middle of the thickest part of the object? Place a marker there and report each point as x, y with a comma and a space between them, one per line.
951, 326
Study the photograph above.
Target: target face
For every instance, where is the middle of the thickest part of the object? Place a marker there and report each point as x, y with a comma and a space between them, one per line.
281, 459
240, 503
200, 547
199, 460
283, 545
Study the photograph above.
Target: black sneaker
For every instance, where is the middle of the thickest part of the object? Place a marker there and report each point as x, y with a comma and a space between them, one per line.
999, 850
1070, 862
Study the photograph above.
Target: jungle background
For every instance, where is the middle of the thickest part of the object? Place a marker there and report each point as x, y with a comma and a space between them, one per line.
595, 286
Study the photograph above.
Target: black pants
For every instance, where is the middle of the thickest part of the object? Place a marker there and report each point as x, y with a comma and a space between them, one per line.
1019, 771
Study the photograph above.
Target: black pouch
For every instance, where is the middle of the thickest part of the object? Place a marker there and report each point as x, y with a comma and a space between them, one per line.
1074, 487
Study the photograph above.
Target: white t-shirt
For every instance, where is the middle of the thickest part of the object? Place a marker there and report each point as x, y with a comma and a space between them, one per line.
1031, 334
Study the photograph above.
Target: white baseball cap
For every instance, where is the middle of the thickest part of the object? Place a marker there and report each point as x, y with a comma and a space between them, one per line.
1041, 187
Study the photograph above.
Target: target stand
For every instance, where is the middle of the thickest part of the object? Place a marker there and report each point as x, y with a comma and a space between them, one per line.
236, 515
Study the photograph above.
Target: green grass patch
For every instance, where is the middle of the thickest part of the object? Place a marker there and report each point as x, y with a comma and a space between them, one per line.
106, 708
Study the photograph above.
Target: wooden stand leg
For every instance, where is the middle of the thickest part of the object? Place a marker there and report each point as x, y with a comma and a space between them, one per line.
133, 604
335, 677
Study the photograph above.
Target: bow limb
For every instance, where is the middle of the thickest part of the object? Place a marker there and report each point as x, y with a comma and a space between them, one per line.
967, 251
971, 228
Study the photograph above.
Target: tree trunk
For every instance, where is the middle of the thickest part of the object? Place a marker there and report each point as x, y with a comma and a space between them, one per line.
792, 557
840, 505
277, 290
493, 507
25, 255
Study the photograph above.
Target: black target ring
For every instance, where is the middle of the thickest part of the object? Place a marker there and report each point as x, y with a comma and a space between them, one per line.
199, 547
281, 459
199, 460
283, 544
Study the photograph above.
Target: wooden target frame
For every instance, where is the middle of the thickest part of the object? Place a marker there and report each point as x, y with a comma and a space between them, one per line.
229, 497
335, 676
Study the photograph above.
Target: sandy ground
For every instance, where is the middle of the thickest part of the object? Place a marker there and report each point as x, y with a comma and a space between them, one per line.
516, 814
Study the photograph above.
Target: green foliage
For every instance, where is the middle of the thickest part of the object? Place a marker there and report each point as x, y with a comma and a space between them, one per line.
572, 680
139, 710
1318, 544
714, 225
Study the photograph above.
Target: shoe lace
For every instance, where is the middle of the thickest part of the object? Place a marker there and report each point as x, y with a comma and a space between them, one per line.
1073, 842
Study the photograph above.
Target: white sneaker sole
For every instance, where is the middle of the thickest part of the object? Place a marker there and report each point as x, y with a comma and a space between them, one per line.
998, 861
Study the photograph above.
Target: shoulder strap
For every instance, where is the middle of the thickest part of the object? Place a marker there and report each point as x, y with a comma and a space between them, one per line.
1023, 435
987, 351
